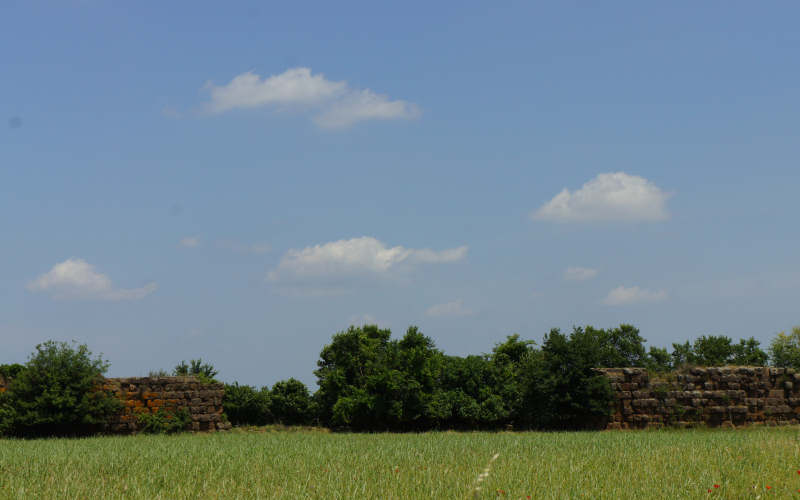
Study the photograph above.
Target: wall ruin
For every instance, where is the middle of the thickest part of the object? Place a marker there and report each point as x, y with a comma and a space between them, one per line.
722, 396
148, 395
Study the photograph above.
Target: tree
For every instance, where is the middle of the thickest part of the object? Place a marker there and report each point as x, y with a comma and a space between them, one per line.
566, 391
713, 350
354, 360
784, 350
658, 359
683, 355
60, 392
244, 405
291, 402
748, 353
618, 347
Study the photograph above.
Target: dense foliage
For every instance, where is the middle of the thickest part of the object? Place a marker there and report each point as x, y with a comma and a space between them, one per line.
164, 422
289, 403
371, 382
784, 350
57, 393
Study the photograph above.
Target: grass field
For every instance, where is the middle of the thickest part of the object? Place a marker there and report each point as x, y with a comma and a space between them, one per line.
315, 464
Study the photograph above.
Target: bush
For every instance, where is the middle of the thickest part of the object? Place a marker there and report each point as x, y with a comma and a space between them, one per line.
9, 372
784, 350
205, 372
718, 350
658, 360
291, 402
58, 393
164, 422
244, 405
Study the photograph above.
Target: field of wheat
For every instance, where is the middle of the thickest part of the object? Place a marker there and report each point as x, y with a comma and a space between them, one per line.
273, 463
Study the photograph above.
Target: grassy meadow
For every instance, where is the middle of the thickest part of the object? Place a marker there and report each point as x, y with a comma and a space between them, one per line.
270, 463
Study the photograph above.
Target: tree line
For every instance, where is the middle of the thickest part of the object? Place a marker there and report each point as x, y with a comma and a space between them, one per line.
368, 381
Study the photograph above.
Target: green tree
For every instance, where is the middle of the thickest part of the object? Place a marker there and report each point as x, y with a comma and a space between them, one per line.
683, 355
244, 405
60, 393
713, 350
343, 372
784, 350
618, 347
566, 391
291, 402
465, 383
748, 353
659, 359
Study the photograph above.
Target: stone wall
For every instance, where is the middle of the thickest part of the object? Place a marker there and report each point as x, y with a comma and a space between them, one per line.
142, 395
724, 396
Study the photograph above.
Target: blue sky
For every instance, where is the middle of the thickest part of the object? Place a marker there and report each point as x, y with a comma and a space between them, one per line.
240, 182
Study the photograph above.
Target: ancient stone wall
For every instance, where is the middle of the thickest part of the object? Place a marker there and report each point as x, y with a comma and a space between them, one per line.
724, 396
143, 395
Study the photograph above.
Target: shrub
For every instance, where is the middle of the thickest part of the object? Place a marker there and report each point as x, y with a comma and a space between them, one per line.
291, 402
11, 371
718, 350
205, 372
58, 393
244, 405
658, 360
784, 350
748, 352
164, 422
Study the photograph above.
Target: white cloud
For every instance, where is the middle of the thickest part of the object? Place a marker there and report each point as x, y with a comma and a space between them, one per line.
336, 104
364, 255
364, 105
454, 308
633, 295
190, 242
293, 86
608, 197
579, 273
77, 279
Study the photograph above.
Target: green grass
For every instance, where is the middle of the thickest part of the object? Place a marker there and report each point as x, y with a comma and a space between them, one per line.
314, 464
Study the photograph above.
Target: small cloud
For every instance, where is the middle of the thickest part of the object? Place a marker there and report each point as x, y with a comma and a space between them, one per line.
450, 309
190, 242
365, 105
633, 295
608, 197
335, 104
579, 273
77, 279
357, 256
293, 86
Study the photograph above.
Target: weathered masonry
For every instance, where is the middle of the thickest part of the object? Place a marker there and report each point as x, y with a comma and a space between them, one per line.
724, 396
143, 395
